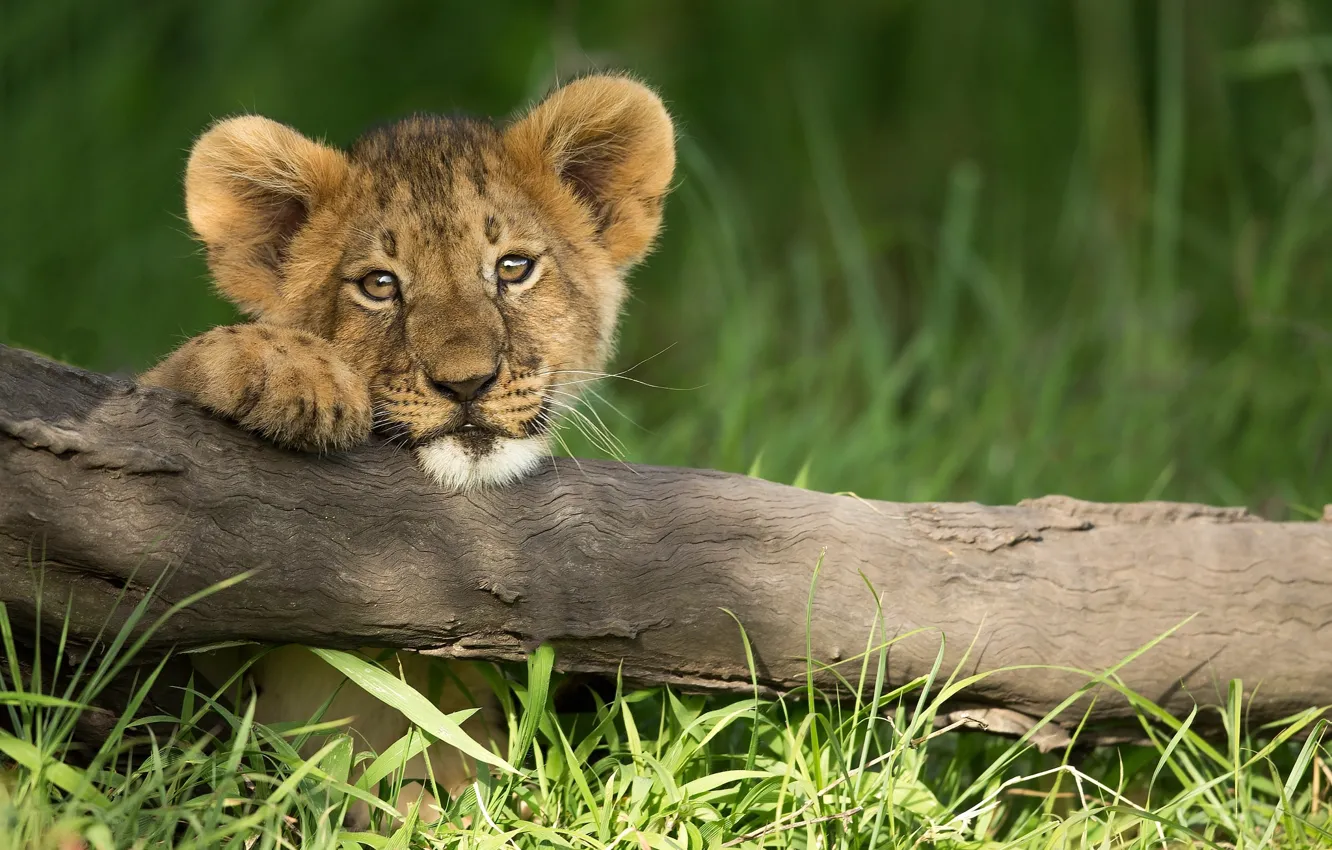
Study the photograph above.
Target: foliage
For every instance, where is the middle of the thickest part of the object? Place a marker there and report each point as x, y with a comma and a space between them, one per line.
862, 768
924, 249
919, 250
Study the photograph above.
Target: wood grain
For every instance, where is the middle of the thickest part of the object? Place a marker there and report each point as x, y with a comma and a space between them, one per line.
106, 487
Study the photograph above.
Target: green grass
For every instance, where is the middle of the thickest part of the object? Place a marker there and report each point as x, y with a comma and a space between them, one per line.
921, 250
648, 768
918, 250
1166, 339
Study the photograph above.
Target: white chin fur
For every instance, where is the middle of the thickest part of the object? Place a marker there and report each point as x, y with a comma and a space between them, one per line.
459, 467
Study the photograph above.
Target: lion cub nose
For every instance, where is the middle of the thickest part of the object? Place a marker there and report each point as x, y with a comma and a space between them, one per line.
466, 389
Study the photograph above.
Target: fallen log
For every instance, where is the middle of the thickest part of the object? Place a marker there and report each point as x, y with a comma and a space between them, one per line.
107, 488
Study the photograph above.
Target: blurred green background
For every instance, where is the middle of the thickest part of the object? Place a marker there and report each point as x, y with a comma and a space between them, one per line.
957, 249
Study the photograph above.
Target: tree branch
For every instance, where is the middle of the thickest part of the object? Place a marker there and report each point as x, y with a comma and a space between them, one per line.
106, 487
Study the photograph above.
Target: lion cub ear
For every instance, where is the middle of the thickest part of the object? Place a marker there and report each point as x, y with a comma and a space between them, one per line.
250, 187
609, 139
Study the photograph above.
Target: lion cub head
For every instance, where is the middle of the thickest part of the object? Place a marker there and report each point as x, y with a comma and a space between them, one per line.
472, 273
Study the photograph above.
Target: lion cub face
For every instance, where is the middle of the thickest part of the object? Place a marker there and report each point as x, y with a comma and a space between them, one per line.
472, 274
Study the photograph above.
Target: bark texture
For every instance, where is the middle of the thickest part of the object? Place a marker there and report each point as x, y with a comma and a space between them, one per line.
106, 488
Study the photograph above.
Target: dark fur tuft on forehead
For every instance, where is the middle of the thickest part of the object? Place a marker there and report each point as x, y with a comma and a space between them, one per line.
429, 152
425, 136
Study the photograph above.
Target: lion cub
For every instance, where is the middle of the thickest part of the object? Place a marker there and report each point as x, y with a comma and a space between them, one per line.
447, 282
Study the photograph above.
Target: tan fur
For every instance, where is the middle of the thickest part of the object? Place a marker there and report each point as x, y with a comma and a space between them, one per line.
291, 225
287, 384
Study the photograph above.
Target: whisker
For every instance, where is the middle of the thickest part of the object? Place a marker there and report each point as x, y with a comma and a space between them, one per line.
600, 377
600, 426
623, 374
568, 421
623, 371
600, 444
603, 442
556, 434
614, 455
593, 408
612, 406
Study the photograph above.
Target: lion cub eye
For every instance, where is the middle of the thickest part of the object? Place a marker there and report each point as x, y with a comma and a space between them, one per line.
511, 269
379, 286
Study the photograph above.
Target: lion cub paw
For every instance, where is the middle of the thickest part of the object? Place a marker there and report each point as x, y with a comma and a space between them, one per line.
288, 385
